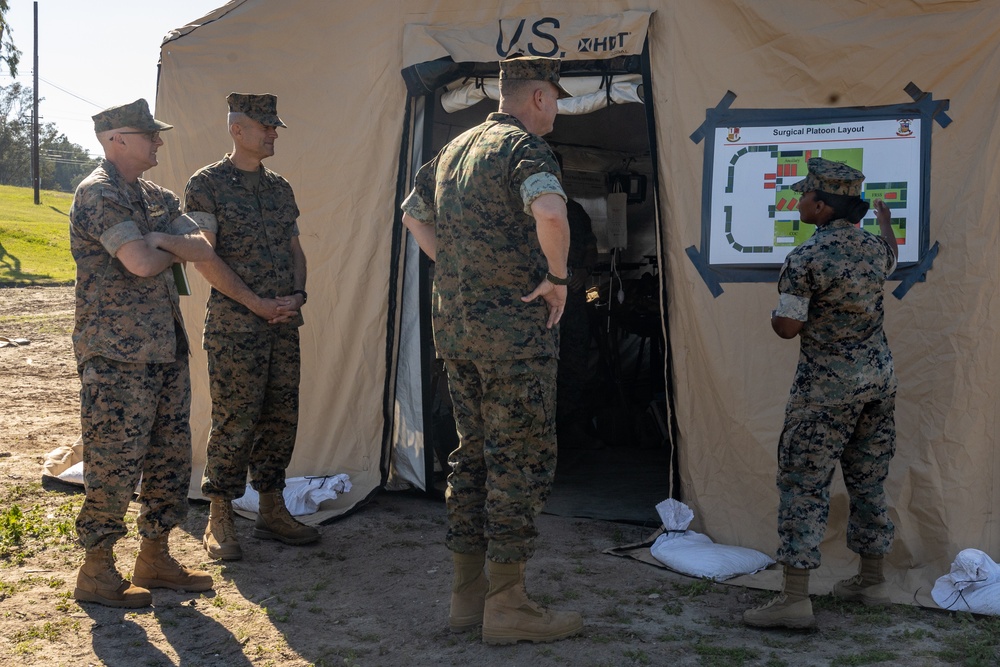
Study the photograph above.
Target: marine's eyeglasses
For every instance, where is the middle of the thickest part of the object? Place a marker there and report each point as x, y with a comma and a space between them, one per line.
152, 136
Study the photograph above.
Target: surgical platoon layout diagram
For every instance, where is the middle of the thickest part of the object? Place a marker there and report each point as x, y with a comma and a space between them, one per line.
754, 216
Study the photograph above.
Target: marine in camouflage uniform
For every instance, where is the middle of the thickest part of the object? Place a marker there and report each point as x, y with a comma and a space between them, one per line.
841, 404
249, 213
490, 209
132, 356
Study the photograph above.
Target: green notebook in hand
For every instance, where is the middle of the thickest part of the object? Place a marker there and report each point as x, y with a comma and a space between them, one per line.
181, 279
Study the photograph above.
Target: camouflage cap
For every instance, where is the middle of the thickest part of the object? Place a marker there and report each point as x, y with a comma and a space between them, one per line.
135, 115
263, 108
835, 178
532, 68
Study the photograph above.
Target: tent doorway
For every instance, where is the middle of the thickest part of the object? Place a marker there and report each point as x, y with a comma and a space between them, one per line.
616, 455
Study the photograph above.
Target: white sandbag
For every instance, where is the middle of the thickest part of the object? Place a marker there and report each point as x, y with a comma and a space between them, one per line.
72, 474
303, 495
60, 459
674, 514
972, 585
694, 554
697, 555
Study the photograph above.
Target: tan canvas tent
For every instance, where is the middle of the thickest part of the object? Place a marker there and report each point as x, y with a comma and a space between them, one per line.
356, 131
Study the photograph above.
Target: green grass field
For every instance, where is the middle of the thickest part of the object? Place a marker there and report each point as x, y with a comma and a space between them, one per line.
34, 240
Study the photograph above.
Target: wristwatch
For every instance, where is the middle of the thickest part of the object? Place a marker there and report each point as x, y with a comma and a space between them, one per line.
555, 280
305, 297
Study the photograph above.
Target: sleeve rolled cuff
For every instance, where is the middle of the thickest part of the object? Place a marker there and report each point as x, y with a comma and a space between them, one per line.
417, 208
893, 262
793, 307
124, 232
539, 184
193, 221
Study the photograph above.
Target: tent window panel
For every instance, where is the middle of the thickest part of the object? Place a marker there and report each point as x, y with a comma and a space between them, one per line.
590, 93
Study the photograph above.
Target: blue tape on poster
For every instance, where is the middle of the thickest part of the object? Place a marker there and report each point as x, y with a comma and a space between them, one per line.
711, 114
706, 273
935, 110
917, 272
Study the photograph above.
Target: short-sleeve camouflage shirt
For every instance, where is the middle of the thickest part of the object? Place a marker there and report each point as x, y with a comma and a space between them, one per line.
254, 236
844, 355
119, 315
478, 192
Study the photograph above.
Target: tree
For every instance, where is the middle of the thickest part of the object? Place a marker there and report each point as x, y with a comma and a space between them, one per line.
8, 53
15, 135
62, 164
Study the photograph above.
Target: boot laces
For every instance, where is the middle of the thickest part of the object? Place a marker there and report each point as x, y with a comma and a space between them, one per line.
170, 560
777, 599
161, 552
857, 581
280, 516
228, 527
226, 524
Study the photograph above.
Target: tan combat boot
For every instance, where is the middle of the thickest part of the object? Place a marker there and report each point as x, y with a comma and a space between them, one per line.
100, 581
511, 616
156, 568
275, 523
791, 608
220, 534
468, 591
868, 586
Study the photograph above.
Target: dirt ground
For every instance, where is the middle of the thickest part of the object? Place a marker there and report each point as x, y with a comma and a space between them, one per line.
374, 591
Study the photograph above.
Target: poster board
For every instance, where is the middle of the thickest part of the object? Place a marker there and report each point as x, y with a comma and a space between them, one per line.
750, 222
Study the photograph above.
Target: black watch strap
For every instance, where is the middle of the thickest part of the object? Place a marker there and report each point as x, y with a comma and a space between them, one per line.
556, 280
305, 297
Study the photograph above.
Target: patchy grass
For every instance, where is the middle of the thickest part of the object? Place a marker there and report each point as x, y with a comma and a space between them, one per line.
722, 655
971, 641
696, 588
23, 532
39, 323
34, 239
869, 657
30, 640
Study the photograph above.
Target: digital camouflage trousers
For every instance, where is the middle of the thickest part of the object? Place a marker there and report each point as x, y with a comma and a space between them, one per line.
862, 437
502, 470
135, 422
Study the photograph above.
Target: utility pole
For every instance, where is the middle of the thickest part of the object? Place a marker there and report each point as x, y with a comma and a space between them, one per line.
35, 175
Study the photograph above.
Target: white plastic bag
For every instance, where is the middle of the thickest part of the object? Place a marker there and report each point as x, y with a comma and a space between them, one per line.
303, 495
694, 554
972, 585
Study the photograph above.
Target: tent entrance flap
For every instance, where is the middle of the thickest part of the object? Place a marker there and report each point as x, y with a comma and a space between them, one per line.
615, 446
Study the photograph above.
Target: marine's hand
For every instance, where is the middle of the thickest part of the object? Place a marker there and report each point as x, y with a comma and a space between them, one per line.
270, 310
288, 308
154, 239
554, 297
882, 213
884, 217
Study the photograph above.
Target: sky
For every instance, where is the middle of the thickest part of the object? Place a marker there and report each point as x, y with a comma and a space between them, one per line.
93, 54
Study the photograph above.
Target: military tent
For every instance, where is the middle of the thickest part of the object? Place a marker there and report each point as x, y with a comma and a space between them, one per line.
700, 113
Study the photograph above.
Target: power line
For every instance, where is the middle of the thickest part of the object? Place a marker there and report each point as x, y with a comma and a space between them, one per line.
72, 162
58, 87
68, 92
66, 158
72, 155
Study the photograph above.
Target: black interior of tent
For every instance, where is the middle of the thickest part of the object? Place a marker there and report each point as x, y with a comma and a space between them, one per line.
616, 460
